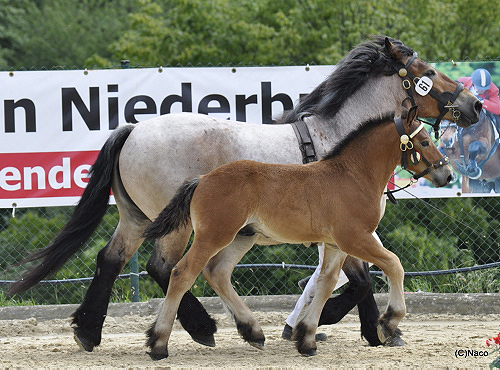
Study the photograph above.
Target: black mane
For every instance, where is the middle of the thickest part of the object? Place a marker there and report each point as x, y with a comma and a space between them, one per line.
370, 57
364, 128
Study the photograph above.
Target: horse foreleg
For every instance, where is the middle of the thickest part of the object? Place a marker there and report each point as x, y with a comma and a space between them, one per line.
359, 286
304, 332
191, 314
218, 274
182, 277
359, 291
88, 319
368, 248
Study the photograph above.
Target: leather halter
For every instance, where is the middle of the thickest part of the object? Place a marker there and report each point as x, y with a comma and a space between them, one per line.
445, 100
406, 144
306, 145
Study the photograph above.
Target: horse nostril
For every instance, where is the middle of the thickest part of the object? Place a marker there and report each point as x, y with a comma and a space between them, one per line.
478, 106
450, 177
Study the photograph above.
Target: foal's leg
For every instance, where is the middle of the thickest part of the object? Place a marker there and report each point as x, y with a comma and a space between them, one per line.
360, 292
304, 332
218, 274
364, 246
182, 277
356, 292
191, 314
89, 317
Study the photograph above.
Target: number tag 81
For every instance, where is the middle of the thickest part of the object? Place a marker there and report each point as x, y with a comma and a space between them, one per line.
423, 86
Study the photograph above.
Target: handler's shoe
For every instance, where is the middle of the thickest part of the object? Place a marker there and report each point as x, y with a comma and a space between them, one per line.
287, 334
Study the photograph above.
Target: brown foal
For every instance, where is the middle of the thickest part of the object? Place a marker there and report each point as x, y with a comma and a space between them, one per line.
335, 201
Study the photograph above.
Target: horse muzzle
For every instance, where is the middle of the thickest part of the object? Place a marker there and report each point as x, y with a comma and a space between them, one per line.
470, 109
442, 176
447, 144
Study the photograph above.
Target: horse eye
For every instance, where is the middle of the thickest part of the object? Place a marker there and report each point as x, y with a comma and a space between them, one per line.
430, 73
424, 143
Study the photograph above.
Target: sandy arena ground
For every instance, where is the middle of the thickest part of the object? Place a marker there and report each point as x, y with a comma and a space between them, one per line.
433, 341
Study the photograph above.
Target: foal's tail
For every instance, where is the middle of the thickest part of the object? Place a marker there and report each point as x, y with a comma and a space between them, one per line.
176, 214
86, 217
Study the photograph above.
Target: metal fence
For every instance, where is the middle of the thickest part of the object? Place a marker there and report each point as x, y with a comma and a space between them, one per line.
445, 245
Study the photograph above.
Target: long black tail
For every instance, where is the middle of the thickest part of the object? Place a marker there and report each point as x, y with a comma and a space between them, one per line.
175, 214
86, 217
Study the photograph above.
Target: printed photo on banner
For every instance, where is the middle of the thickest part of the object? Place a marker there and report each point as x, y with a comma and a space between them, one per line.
474, 152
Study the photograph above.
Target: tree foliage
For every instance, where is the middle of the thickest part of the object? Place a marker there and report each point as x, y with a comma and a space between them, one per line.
47, 33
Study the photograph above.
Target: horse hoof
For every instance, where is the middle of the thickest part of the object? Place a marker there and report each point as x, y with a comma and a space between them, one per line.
83, 343
381, 335
157, 355
308, 352
259, 344
206, 340
395, 341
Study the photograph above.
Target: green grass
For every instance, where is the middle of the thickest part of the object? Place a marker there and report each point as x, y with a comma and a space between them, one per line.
6, 301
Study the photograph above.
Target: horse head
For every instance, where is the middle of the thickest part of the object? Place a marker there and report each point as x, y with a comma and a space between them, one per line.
449, 136
419, 153
435, 93
470, 148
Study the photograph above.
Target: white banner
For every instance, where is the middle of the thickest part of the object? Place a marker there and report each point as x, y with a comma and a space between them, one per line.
53, 123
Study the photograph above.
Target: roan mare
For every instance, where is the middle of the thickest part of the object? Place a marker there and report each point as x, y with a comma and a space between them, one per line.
144, 164
335, 201
474, 153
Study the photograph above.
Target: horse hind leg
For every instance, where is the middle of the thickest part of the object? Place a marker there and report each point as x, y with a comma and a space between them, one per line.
88, 319
191, 314
218, 274
182, 277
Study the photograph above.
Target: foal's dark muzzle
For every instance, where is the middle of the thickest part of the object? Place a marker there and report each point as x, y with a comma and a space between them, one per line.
442, 176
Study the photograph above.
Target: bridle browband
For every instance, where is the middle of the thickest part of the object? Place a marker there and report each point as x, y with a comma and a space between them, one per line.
423, 86
405, 145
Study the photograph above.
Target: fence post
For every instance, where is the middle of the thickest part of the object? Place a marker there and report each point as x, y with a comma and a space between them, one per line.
134, 261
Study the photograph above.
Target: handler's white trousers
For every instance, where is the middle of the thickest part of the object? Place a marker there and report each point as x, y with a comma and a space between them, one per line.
310, 289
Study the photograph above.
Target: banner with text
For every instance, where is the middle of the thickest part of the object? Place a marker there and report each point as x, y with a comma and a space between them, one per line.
53, 123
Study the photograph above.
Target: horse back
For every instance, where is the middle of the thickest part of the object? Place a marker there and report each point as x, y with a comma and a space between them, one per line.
163, 152
284, 202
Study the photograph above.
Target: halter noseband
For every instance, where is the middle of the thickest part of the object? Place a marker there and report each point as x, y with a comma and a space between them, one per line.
423, 86
406, 144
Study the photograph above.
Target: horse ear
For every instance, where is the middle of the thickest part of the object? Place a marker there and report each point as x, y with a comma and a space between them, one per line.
412, 114
389, 46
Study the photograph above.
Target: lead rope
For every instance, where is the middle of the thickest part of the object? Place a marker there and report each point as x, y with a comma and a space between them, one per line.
390, 193
434, 207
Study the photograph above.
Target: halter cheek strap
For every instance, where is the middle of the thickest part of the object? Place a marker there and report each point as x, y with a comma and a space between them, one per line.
406, 143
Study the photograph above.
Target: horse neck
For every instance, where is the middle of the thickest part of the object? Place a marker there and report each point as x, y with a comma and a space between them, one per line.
379, 95
372, 156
